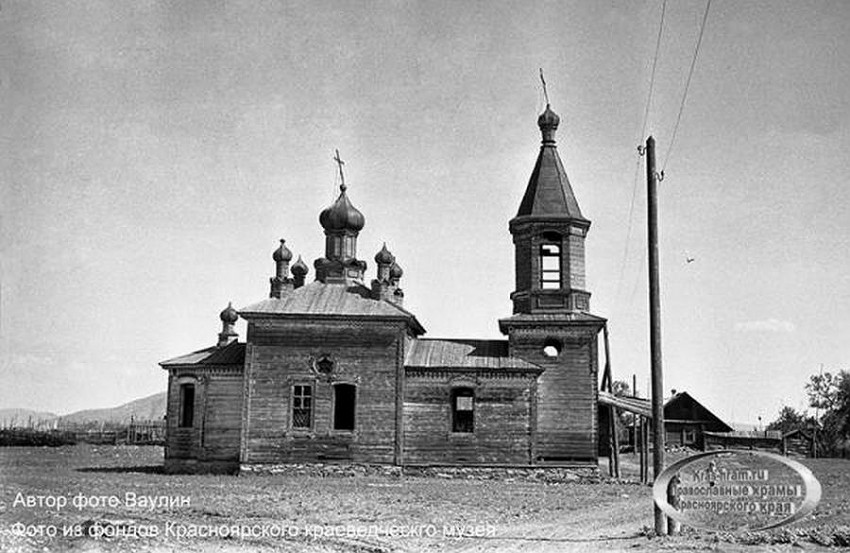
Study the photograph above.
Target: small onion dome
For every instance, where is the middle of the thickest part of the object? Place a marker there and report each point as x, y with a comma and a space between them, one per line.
229, 315
282, 253
342, 215
299, 268
384, 257
396, 271
548, 120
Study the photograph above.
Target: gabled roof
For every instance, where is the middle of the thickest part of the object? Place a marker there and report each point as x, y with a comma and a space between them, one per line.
231, 354
549, 193
319, 298
487, 354
682, 406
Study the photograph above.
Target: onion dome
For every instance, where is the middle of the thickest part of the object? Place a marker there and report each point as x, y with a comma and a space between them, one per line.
229, 315
548, 120
342, 215
396, 271
299, 268
384, 257
282, 253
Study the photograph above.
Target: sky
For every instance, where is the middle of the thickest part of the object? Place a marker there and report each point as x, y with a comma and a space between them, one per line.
155, 152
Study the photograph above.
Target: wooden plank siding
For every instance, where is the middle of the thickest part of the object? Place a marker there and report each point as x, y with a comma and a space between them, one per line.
502, 422
566, 391
283, 354
214, 434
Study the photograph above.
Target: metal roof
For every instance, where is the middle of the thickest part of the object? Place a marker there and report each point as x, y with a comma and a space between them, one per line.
231, 354
549, 192
489, 354
319, 298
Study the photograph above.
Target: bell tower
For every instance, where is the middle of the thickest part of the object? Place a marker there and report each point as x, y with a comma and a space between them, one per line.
549, 232
551, 325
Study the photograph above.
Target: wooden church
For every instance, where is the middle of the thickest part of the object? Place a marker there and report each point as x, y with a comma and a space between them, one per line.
337, 370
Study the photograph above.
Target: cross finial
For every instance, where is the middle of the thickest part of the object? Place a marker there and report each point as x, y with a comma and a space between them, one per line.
543, 81
340, 162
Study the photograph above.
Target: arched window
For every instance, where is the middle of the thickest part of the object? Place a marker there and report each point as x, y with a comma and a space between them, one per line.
550, 266
463, 410
187, 405
344, 406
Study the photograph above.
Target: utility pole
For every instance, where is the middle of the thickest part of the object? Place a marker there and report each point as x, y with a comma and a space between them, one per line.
655, 327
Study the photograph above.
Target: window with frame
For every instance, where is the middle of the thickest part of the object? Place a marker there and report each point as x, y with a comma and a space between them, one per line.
690, 436
550, 266
345, 396
302, 406
463, 410
187, 405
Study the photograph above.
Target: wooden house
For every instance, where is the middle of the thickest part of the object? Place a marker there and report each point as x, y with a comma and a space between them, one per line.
337, 370
686, 421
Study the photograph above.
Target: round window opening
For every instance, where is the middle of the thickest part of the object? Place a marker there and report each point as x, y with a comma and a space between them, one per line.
551, 348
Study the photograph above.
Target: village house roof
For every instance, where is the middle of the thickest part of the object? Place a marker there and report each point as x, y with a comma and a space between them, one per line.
487, 354
331, 299
231, 354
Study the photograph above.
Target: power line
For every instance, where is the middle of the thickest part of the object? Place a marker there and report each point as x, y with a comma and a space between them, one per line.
687, 86
642, 133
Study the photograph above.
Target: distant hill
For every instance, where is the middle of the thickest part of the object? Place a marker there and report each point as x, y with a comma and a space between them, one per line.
147, 408
22, 417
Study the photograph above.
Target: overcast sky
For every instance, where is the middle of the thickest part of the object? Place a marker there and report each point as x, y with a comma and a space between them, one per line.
154, 153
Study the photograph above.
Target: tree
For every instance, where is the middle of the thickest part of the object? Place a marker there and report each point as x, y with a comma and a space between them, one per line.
830, 394
790, 419
620, 388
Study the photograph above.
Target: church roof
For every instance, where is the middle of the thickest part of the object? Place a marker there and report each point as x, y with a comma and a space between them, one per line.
319, 298
231, 354
558, 317
549, 193
487, 354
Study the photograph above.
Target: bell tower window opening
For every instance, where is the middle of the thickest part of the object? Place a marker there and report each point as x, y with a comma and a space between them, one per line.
550, 266
302, 406
463, 410
344, 406
187, 405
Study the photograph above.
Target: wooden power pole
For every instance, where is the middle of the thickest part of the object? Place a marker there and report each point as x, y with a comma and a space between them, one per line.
656, 373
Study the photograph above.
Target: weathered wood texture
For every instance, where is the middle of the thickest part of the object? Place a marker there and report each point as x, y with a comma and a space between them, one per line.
502, 421
566, 407
214, 434
283, 354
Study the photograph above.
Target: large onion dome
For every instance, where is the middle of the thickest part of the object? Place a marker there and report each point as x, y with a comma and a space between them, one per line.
342, 216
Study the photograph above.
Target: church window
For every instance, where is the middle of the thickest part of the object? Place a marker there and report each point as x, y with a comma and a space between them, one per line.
302, 406
552, 347
325, 365
187, 405
550, 266
463, 410
344, 402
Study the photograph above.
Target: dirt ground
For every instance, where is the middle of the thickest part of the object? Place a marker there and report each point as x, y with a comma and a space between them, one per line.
102, 511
